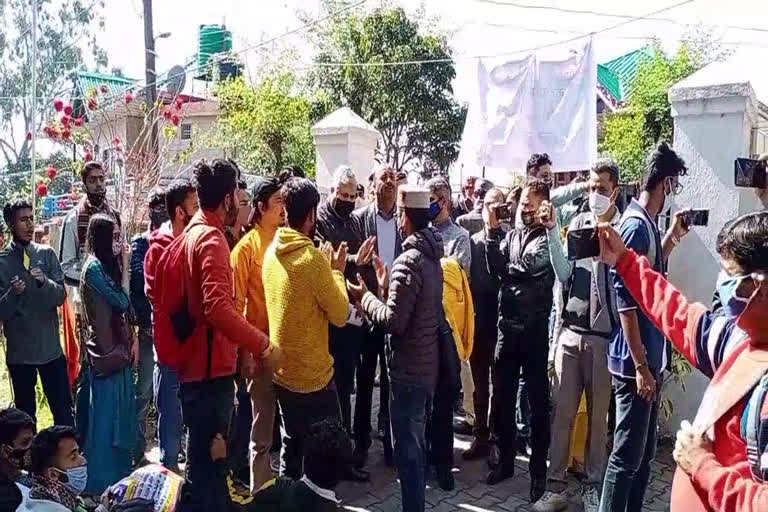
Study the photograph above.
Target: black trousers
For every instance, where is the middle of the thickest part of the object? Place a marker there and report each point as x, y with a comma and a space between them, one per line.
298, 411
371, 355
53, 376
344, 346
523, 350
207, 409
439, 431
480, 361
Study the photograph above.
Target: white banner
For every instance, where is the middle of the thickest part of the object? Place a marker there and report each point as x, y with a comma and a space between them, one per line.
532, 106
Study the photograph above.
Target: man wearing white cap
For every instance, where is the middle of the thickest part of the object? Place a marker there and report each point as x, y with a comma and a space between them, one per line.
412, 316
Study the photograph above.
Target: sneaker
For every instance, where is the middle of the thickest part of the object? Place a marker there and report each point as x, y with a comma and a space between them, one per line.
550, 502
462, 427
591, 499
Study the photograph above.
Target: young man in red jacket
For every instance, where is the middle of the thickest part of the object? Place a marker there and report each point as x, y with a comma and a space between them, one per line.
208, 368
722, 458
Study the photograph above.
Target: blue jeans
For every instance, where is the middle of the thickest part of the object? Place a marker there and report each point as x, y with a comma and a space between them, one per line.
169, 419
144, 380
407, 410
634, 447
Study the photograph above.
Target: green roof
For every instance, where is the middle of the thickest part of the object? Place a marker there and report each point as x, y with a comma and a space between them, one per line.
88, 81
617, 75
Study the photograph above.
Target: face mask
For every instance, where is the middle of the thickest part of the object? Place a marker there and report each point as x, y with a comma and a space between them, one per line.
117, 247
77, 479
733, 305
20, 457
434, 210
343, 208
599, 204
527, 218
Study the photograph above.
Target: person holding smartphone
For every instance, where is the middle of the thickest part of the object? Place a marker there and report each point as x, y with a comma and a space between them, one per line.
589, 317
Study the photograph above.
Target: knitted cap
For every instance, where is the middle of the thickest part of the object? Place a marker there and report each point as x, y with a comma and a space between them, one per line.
412, 197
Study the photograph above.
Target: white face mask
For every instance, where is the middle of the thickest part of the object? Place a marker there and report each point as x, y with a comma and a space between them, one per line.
599, 204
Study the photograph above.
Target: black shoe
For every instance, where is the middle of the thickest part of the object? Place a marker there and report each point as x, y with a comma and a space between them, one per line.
445, 479
356, 475
477, 450
538, 487
462, 427
499, 474
359, 458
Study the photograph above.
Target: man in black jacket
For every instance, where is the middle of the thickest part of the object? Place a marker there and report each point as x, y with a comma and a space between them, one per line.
335, 224
143, 317
377, 220
521, 261
17, 429
413, 316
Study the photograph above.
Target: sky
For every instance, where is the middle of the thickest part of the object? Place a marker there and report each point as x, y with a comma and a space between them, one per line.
477, 28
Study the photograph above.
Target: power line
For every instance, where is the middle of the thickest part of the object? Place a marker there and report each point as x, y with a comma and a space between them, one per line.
520, 5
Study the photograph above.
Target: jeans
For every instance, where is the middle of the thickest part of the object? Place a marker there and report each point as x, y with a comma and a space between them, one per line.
408, 413
169, 417
523, 350
371, 354
240, 439
55, 380
480, 362
144, 378
345, 348
299, 411
634, 447
207, 407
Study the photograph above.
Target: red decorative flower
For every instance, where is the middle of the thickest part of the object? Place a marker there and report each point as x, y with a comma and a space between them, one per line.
78, 121
68, 110
42, 189
58, 105
175, 119
128, 97
51, 171
66, 133
29, 135
104, 88
88, 156
167, 114
52, 132
93, 103
179, 102
116, 141
65, 119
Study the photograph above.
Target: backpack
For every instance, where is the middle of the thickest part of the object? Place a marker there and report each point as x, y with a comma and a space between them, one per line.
173, 324
755, 431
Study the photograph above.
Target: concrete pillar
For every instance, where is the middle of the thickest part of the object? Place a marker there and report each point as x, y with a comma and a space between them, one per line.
712, 127
343, 138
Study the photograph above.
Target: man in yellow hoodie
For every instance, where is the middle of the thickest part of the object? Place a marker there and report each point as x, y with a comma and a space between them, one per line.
305, 290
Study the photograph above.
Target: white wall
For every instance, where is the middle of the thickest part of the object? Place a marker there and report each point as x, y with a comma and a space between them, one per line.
354, 148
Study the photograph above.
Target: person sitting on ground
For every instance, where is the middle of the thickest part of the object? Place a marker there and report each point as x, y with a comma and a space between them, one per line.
723, 457
59, 471
17, 429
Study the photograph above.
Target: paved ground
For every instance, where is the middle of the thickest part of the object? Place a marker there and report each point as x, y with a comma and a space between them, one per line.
382, 494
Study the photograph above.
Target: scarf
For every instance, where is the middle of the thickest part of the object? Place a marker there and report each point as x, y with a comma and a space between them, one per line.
84, 212
46, 489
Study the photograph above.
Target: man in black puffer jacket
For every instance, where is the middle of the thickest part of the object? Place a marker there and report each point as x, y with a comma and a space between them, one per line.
521, 261
413, 317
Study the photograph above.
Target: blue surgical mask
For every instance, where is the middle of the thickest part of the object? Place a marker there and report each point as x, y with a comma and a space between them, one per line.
733, 305
434, 210
77, 478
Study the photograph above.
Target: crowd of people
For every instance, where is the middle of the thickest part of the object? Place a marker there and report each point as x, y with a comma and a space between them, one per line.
261, 318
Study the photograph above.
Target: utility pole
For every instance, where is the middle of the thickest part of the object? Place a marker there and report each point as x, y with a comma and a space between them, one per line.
151, 76
33, 127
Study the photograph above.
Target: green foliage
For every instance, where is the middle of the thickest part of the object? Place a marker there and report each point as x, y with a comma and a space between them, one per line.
267, 126
411, 105
629, 134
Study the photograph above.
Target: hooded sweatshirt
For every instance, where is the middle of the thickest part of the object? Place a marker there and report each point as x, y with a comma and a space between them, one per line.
733, 353
303, 295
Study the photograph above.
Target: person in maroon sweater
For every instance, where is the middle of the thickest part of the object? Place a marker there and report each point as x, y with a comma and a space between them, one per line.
731, 347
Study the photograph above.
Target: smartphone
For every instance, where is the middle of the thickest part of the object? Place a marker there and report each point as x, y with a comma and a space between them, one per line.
749, 173
697, 217
583, 243
503, 211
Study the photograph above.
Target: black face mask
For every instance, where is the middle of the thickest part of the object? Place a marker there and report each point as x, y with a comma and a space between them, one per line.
342, 207
20, 457
528, 218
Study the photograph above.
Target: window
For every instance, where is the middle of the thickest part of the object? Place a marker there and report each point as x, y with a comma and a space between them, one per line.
186, 131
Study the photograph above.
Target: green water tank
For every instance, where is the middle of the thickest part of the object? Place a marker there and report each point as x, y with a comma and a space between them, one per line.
212, 39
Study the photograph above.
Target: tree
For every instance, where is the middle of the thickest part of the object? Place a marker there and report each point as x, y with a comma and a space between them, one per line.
629, 134
412, 105
266, 126
66, 28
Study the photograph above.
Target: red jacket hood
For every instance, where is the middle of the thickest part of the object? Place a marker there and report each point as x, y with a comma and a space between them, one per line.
754, 321
159, 240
